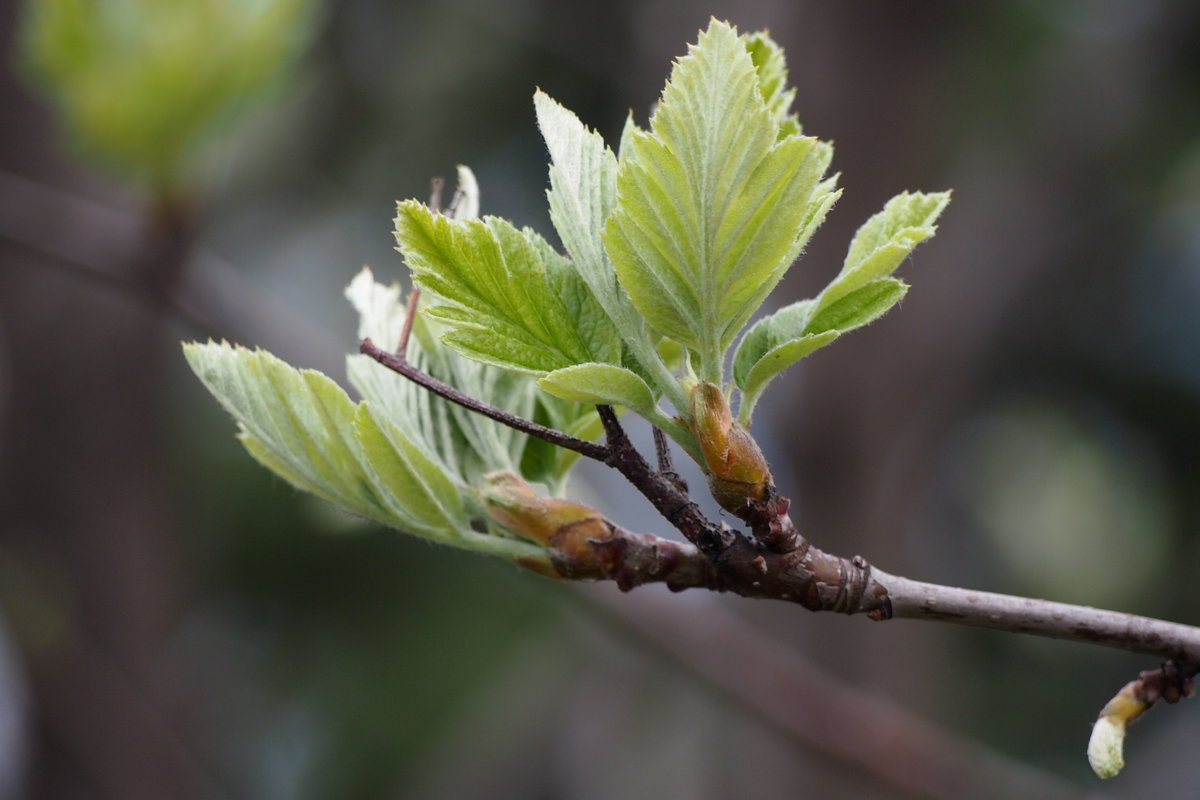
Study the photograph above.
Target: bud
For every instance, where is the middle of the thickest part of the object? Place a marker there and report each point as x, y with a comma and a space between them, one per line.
1106, 747
572, 532
737, 471
511, 501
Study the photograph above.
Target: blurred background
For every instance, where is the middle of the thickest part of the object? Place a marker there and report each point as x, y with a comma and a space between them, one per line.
175, 622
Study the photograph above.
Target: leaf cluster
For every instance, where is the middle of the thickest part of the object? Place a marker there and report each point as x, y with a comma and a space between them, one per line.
141, 83
672, 245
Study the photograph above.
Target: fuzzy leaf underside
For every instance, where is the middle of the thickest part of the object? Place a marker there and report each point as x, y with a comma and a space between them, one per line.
884, 241
468, 445
302, 425
772, 81
780, 340
711, 203
860, 307
583, 192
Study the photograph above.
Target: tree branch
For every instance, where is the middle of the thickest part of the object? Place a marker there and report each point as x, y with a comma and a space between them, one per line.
909, 599
631, 559
763, 567
400, 365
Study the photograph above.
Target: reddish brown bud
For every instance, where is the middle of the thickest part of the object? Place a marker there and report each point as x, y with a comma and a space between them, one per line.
514, 504
737, 471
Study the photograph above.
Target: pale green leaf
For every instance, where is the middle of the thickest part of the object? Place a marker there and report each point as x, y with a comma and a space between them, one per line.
583, 181
775, 361
884, 241
298, 423
498, 296
784, 325
711, 204
600, 384
413, 487
861, 307
783, 338
466, 444
772, 81
625, 145
772, 345
302, 426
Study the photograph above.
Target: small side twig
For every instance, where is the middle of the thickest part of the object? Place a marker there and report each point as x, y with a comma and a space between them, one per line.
1171, 683
409, 315
666, 465
455, 201
436, 185
677, 506
399, 365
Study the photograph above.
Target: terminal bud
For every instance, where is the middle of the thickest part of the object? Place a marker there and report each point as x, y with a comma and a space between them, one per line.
738, 474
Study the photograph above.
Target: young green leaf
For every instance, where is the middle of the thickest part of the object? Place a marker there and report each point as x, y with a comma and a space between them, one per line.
600, 384
412, 486
884, 241
780, 340
772, 81
583, 190
771, 346
583, 175
298, 423
711, 203
861, 307
466, 444
302, 426
502, 301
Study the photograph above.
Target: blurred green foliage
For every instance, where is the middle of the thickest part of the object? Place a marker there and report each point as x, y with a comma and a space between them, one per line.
142, 84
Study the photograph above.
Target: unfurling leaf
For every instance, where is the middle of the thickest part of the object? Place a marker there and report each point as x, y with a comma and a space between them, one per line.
600, 384
860, 307
303, 426
774, 361
772, 81
712, 205
884, 241
583, 186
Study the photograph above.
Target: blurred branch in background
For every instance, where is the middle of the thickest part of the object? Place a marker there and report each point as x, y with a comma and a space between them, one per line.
767, 680
99, 243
